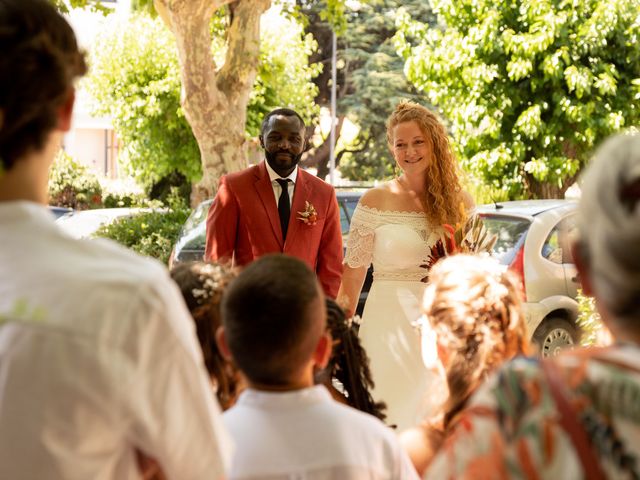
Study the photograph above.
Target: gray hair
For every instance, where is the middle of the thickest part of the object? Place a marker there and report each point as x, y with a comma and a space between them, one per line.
609, 223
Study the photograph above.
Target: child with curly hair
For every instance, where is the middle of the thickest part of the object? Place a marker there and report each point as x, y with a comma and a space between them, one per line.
202, 285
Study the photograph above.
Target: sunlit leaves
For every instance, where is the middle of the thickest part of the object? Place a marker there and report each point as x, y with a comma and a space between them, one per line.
135, 79
552, 77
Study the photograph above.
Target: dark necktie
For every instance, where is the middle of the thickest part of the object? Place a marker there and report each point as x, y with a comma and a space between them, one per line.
284, 208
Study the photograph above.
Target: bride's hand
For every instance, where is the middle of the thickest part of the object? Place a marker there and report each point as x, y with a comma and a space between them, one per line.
344, 303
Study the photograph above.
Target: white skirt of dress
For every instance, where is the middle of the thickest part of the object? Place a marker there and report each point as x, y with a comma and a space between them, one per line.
393, 345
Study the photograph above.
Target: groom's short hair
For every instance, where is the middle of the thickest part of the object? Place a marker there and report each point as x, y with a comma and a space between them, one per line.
271, 324
286, 112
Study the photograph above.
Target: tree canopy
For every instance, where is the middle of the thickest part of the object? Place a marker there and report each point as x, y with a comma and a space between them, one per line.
529, 86
370, 81
135, 79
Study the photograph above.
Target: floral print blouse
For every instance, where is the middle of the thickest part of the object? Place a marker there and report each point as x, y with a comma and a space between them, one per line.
511, 428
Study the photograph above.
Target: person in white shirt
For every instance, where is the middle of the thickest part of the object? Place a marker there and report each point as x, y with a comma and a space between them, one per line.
99, 363
274, 328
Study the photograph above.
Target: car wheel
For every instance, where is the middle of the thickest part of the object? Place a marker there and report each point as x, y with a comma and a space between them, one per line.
553, 335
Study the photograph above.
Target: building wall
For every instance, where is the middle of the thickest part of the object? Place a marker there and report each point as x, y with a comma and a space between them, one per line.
95, 147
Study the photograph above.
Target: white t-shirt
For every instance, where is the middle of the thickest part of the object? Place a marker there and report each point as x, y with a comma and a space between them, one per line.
98, 358
305, 434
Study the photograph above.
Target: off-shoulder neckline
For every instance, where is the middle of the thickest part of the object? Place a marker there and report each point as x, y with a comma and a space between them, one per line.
393, 212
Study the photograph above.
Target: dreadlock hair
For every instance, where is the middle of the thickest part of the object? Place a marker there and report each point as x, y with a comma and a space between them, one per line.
349, 363
202, 285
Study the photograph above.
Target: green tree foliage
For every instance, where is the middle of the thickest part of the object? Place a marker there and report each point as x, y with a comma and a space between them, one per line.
284, 76
135, 79
65, 5
528, 86
374, 86
370, 81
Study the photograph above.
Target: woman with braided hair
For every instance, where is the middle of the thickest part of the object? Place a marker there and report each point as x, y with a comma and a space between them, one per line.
349, 365
576, 415
472, 313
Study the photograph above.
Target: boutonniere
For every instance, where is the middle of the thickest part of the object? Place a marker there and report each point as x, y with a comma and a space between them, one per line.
309, 214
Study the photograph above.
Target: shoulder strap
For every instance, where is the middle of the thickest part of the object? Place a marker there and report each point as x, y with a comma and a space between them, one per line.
571, 425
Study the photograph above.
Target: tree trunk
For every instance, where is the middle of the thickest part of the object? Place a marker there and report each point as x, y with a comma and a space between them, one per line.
215, 101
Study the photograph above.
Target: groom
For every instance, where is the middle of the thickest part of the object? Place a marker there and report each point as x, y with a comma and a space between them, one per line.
277, 207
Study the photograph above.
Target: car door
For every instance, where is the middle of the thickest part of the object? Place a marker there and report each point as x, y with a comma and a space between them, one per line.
557, 250
568, 233
551, 279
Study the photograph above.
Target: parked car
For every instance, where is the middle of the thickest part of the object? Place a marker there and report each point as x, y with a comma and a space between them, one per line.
192, 238
57, 212
534, 240
84, 223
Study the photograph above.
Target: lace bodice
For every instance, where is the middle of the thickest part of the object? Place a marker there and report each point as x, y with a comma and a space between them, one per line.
395, 242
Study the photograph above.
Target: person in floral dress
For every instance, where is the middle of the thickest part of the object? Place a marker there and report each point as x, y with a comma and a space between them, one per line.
577, 416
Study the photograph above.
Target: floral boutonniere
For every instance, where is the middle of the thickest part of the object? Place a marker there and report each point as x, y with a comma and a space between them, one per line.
309, 214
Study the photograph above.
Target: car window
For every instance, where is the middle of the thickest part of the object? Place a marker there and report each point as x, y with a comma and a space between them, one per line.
347, 206
552, 248
557, 246
510, 232
198, 216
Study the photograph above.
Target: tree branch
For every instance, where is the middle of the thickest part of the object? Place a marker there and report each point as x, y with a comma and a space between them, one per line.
243, 52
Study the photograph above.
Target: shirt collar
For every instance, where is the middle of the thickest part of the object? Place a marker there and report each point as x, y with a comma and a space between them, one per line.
285, 400
273, 176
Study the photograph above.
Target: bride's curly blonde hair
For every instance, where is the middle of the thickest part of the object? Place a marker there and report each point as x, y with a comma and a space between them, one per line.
474, 306
443, 199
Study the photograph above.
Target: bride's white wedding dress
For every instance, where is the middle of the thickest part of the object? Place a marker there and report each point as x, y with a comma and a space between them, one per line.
397, 243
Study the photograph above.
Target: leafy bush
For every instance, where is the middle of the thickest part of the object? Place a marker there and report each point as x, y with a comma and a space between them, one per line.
72, 184
151, 233
127, 200
594, 332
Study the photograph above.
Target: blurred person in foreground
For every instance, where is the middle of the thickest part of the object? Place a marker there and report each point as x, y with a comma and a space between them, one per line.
472, 324
274, 327
575, 416
99, 363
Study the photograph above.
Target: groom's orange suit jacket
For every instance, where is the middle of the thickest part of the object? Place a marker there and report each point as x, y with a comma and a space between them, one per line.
243, 224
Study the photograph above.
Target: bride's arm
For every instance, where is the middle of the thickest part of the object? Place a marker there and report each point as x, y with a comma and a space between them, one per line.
350, 288
359, 251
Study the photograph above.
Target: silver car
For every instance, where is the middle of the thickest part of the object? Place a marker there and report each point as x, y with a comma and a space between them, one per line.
534, 239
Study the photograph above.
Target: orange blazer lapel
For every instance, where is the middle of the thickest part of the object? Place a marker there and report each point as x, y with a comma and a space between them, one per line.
301, 194
265, 192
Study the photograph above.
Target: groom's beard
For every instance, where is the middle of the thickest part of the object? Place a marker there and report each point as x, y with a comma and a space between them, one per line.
281, 164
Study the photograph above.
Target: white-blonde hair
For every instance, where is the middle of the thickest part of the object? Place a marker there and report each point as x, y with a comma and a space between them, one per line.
474, 305
609, 224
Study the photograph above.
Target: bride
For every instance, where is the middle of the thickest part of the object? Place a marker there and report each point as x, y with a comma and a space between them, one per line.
393, 227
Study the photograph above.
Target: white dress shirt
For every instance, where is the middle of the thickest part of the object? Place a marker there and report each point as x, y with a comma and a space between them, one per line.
98, 359
277, 189
306, 435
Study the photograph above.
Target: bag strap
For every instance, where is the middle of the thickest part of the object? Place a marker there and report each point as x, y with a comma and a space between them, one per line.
571, 425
